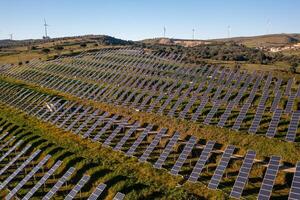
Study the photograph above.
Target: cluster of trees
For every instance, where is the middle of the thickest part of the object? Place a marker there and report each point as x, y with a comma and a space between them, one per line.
225, 52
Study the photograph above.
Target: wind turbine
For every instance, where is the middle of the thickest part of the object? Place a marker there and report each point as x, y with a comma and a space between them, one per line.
45, 24
193, 33
228, 31
11, 36
165, 31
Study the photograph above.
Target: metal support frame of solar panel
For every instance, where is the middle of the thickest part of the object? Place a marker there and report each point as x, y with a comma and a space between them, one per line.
243, 175
201, 162
167, 150
274, 123
59, 183
269, 178
139, 140
294, 193
293, 126
183, 156
105, 128
152, 145
119, 196
77, 187
42, 180
218, 174
27, 177
97, 192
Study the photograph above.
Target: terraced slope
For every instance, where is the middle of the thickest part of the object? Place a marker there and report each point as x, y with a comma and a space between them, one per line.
202, 125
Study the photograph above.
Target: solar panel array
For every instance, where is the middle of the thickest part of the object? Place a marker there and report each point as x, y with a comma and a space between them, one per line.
269, 178
218, 174
77, 187
295, 187
243, 175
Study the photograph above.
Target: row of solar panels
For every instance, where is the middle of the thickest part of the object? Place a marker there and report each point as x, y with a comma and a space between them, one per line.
20, 166
61, 115
291, 133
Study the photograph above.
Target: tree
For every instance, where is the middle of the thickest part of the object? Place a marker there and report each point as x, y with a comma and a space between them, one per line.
83, 45
293, 68
45, 50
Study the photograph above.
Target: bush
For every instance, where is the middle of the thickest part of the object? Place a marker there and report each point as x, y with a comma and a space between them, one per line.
83, 45
59, 48
45, 50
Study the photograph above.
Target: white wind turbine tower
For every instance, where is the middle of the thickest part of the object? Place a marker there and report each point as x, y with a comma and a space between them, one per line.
165, 31
193, 33
46, 31
228, 31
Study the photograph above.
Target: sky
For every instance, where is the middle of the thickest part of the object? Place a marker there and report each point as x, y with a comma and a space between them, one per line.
140, 19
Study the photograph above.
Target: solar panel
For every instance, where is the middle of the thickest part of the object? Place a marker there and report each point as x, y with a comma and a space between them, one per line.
119, 196
97, 192
59, 183
159, 163
241, 116
19, 169
13, 192
12, 161
243, 175
183, 156
290, 103
54, 112
288, 87
187, 107
153, 144
218, 174
293, 126
78, 118
274, 123
70, 116
114, 133
199, 109
93, 127
144, 102
42, 180
7, 142
226, 114
211, 113
153, 104
276, 101
295, 187
257, 118
87, 120
54, 121
3, 135
10, 150
126, 136
77, 187
105, 128
201, 161
269, 178
139, 140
